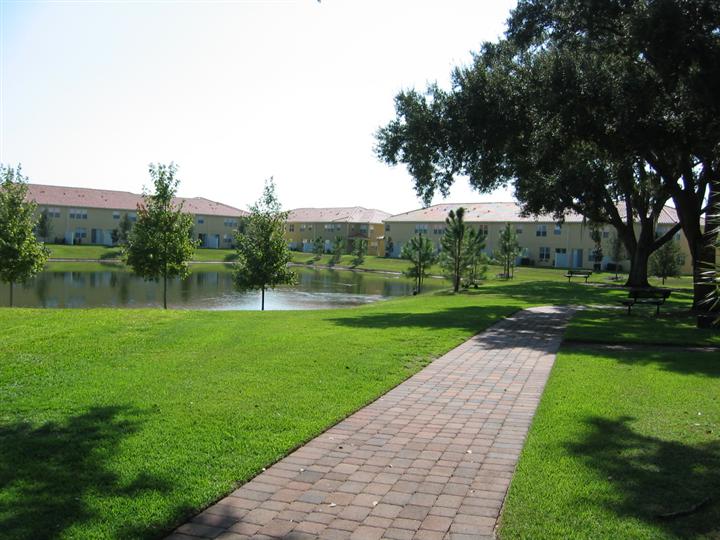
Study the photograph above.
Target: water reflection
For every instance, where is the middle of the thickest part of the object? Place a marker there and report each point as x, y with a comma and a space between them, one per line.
111, 286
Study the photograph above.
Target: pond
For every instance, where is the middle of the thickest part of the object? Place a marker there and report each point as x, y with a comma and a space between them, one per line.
107, 285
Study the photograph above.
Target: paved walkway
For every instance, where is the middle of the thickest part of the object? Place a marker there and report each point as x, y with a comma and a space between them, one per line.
432, 459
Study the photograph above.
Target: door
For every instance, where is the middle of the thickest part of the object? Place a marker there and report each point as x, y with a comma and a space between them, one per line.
577, 258
561, 258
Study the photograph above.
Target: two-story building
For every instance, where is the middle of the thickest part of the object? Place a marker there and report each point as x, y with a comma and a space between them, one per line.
305, 225
90, 216
543, 240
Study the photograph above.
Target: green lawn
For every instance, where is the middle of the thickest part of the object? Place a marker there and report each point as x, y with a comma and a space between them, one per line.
121, 423
626, 431
81, 252
620, 438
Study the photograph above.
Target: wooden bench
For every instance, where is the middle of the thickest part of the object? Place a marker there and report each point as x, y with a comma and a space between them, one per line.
578, 273
654, 297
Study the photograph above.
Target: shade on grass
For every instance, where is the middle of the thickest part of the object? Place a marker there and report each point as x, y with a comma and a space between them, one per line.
620, 438
119, 423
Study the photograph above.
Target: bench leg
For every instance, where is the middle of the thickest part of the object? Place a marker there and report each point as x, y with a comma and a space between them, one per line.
657, 311
629, 306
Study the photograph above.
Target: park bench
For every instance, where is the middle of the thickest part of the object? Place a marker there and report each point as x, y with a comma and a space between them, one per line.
654, 297
578, 273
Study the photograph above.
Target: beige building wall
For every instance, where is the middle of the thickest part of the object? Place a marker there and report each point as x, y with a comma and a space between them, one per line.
301, 235
72, 225
544, 244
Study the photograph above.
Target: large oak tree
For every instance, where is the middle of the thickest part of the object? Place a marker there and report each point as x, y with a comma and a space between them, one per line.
606, 108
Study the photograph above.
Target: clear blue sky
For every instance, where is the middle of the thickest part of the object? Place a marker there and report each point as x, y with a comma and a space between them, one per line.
233, 92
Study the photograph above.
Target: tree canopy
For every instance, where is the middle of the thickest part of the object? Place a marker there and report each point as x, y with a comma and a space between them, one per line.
263, 253
21, 255
160, 245
453, 257
605, 108
419, 250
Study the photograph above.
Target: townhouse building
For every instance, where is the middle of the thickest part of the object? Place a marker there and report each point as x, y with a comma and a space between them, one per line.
89, 216
543, 240
304, 225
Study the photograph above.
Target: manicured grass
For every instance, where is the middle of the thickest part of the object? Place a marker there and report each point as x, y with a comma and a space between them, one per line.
121, 423
60, 251
620, 438
380, 264
674, 326
81, 252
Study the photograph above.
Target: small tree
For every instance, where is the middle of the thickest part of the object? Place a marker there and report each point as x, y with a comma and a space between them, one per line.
476, 259
318, 248
453, 257
617, 252
44, 226
337, 250
667, 261
597, 252
159, 245
420, 252
122, 233
263, 253
508, 249
21, 255
359, 251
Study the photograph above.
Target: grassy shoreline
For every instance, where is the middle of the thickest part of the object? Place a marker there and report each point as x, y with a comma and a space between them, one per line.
125, 422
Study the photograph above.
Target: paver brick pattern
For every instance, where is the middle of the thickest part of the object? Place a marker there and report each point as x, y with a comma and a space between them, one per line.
431, 459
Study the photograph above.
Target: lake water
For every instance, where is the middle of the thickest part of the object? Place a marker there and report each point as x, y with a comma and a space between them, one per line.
114, 286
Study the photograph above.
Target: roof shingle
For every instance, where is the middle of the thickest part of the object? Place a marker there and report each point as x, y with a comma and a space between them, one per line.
502, 212
120, 200
354, 214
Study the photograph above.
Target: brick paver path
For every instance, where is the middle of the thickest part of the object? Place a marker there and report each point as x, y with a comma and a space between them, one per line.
431, 459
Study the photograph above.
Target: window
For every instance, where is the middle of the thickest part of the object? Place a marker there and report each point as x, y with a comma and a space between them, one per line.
53, 212
78, 213
541, 230
483, 229
518, 230
80, 233
363, 229
302, 227
230, 222
544, 254
438, 229
132, 216
421, 228
291, 227
332, 226
558, 229
116, 214
387, 227
200, 220
606, 233
560, 250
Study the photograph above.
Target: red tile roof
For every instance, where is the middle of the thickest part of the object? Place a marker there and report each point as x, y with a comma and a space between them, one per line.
119, 200
354, 214
502, 212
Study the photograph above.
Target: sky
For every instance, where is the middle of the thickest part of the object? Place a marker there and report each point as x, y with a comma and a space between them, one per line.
233, 92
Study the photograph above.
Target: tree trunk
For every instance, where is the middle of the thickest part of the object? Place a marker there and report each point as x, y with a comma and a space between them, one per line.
638, 275
262, 301
11, 294
702, 249
704, 270
164, 292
